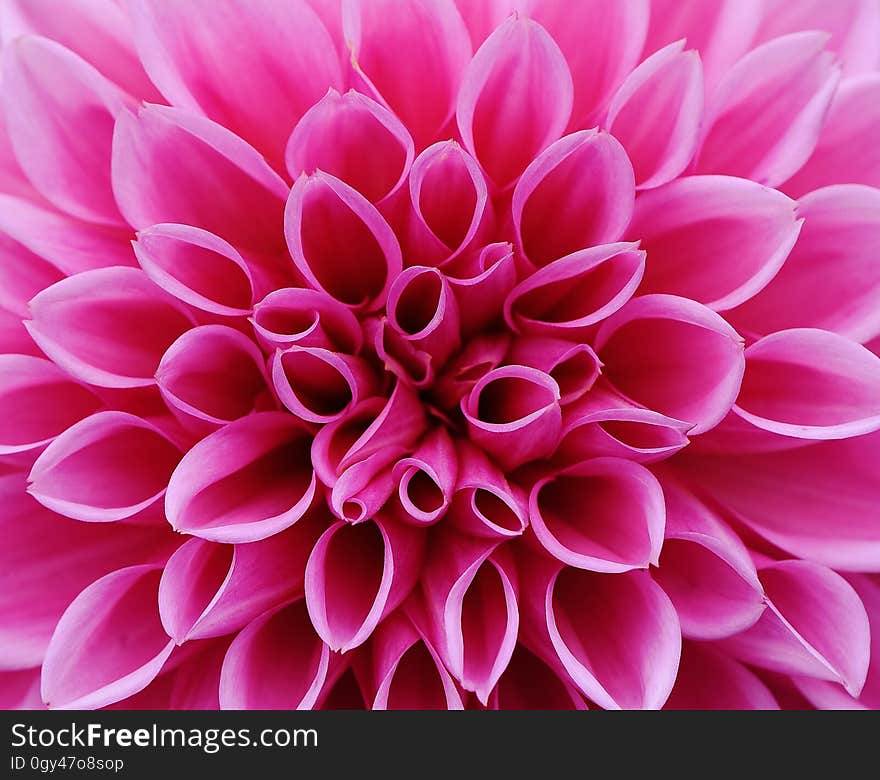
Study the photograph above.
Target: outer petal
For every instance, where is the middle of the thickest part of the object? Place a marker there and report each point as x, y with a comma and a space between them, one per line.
91, 325
715, 239
258, 91
108, 644
245, 482
674, 356
505, 129
764, 120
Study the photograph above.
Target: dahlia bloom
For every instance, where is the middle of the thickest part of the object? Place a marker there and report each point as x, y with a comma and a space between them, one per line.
432, 354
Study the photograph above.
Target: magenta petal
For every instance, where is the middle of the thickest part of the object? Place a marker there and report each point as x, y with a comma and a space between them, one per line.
733, 686
579, 192
213, 374
575, 367
276, 663
603, 515
674, 356
108, 644
745, 230
359, 574
171, 166
363, 488
426, 479
60, 114
106, 467
22, 275
815, 625
412, 55
503, 128
39, 402
566, 297
340, 242
20, 690
481, 297
356, 140
478, 357
513, 413
529, 684
810, 384
656, 114
789, 83
258, 91
309, 318
91, 325
245, 482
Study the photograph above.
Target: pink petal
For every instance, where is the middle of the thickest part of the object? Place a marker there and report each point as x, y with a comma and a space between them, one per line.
412, 55
427, 478
245, 482
398, 355
513, 413
579, 192
575, 367
60, 114
745, 230
108, 644
841, 225
340, 242
563, 299
106, 467
258, 91
364, 488
91, 325
481, 296
674, 356
603, 515
213, 374
309, 318
709, 679
39, 402
276, 663
480, 355
815, 625
22, 275
503, 128
529, 684
764, 120
171, 166
706, 570
470, 594
14, 338
20, 690
356, 140
357, 575
210, 589
656, 114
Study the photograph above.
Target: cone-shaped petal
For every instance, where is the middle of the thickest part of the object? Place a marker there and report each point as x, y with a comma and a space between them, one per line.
427, 478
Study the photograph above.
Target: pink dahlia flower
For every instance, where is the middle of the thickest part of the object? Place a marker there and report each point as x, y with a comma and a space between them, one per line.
481, 354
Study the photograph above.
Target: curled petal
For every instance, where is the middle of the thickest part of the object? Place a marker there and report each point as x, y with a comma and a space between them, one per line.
579, 192
566, 297
363, 488
470, 594
810, 384
60, 114
172, 166
788, 83
340, 242
529, 684
513, 413
106, 467
481, 296
841, 227
318, 385
214, 374
505, 129
479, 356
485, 504
575, 367
245, 482
427, 478
675, 356
356, 140
423, 310
668, 87
276, 663
92, 325
359, 574
716, 239
308, 318
734, 687
815, 625
399, 356
210, 589
108, 644
259, 91
39, 401
603, 515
